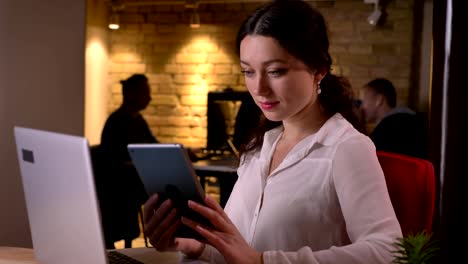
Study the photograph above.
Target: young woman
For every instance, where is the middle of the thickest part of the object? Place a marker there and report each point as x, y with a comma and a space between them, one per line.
310, 187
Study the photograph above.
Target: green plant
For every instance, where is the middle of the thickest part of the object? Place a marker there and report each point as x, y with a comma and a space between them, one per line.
415, 249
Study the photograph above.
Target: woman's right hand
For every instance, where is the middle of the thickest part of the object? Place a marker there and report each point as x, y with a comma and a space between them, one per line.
161, 222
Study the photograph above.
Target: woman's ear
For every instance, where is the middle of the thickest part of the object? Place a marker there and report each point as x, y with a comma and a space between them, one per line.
379, 99
319, 75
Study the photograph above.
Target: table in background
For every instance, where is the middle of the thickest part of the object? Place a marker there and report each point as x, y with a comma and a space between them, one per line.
225, 170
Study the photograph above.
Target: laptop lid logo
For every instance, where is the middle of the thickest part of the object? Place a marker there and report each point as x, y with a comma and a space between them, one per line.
28, 155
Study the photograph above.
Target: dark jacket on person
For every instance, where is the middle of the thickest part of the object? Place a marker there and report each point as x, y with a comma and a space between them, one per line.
120, 190
401, 131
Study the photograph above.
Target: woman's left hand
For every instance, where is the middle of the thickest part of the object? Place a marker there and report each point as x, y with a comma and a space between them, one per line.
224, 235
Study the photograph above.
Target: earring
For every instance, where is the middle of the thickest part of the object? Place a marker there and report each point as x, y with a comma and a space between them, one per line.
319, 90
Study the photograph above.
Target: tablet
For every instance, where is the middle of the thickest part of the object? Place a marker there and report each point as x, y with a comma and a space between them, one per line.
167, 170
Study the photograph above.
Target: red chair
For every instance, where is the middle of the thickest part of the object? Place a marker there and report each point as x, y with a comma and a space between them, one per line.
411, 186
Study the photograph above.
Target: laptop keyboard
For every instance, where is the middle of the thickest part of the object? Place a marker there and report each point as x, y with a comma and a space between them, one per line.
115, 257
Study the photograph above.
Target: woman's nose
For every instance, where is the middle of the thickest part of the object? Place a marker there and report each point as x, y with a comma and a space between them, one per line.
261, 86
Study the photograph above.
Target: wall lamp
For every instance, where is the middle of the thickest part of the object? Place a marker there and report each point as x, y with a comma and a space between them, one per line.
114, 18
114, 21
375, 16
194, 21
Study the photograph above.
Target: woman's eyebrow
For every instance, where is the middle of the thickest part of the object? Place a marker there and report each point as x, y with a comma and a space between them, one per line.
268, 62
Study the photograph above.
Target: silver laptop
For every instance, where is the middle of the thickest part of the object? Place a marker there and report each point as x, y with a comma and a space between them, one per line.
60, 197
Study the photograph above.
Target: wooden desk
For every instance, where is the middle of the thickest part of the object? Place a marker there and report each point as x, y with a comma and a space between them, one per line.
13, 255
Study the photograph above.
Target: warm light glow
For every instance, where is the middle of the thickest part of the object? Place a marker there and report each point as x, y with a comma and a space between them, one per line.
114, 20
114, 26
96, 78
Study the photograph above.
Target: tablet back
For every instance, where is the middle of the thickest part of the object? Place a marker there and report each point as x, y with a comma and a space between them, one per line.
167, 170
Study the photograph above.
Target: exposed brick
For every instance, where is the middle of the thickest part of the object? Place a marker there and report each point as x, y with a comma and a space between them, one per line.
170, 100
154, 68
360, 49
193, 100
198, 132
188, 68
145, 49
148, 28
159, 78
336, 49
168, 18
205, 68
131, 18
222, 69
130, 28
219, 58
199, 111
205, 47
120, 48
156, 121
179, 121
127, 67
357, 59
187, 78
145, 9
236, 68
191, 58
165, 28
172, 68
234, 7
345, 70
380, 71
162, 8
159, 58
166, 88
127, 38
195, 89
223, 79
359, 71
340, 26
179, 131
241, 79
126, 57
387, 49
171, 110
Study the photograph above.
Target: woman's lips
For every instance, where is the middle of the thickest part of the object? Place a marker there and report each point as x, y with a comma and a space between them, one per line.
268, 105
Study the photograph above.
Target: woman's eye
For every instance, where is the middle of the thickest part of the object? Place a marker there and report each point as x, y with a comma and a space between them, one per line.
276, 73
247, 73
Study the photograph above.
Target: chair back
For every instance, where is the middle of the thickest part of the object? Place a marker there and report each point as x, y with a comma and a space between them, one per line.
411, 186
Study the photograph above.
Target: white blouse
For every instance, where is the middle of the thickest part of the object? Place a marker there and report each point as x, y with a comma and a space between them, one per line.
327, 202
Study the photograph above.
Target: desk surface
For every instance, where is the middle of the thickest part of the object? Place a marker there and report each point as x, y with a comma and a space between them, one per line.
13, 255
212, 165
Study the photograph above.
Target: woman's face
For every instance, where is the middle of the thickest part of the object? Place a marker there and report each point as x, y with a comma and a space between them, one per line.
281, 85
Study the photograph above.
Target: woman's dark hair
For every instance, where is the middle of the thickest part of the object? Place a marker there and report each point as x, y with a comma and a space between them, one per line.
384, 87
301, 30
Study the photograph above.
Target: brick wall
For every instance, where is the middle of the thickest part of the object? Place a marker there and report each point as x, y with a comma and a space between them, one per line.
183, 64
